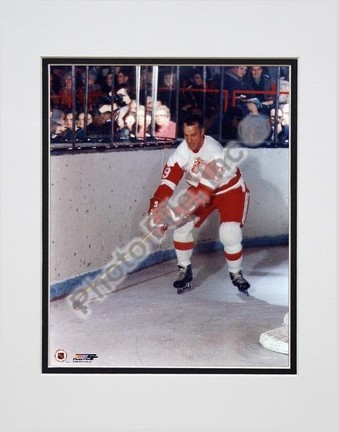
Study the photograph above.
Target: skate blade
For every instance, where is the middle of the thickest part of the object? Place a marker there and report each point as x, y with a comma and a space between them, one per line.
245, 292
177, 284
184, 289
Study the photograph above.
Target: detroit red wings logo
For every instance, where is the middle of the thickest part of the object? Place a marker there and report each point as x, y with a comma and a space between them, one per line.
198, 165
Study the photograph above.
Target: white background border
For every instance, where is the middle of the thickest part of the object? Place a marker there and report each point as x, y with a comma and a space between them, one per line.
33, 29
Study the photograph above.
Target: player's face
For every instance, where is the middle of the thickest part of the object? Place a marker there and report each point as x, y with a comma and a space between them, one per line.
194, 136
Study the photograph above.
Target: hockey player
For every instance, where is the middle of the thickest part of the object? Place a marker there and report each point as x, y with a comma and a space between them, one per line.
214, 182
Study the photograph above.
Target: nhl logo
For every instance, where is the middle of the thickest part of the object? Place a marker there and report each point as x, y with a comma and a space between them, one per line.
60, 355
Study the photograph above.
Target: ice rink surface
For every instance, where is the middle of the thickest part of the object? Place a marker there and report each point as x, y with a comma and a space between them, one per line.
147, 324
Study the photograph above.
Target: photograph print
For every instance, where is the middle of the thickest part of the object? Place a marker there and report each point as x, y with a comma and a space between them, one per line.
169, 215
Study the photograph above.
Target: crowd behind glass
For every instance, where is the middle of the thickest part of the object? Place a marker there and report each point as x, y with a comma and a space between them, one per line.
119, 106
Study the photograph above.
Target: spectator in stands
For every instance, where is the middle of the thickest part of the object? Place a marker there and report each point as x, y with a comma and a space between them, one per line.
130, 121
124, 77
57, 116
187, 101
69, 135
106, 127
286, 113
128, 131
101, 74
232, 119
57, 126
124, 104
235, 79
146, 78
252, 106
282, 129
170, 80
149, 103
81, 120
94, 91
203, 98
91, 130
124, 94
57, 133
258, 80
284, 85
143, 123
167, 90
284, 88
194, 97
94, 129
107, 85
66, 94
164, 127
133, 106
272, 71
69, 120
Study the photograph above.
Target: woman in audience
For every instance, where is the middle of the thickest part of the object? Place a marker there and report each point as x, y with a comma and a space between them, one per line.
164, 127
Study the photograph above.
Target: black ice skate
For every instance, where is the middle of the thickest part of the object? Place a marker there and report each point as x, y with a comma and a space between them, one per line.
183, 282
240, 282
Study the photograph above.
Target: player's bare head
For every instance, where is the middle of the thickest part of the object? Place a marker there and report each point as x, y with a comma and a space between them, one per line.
192, 119
194, 132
